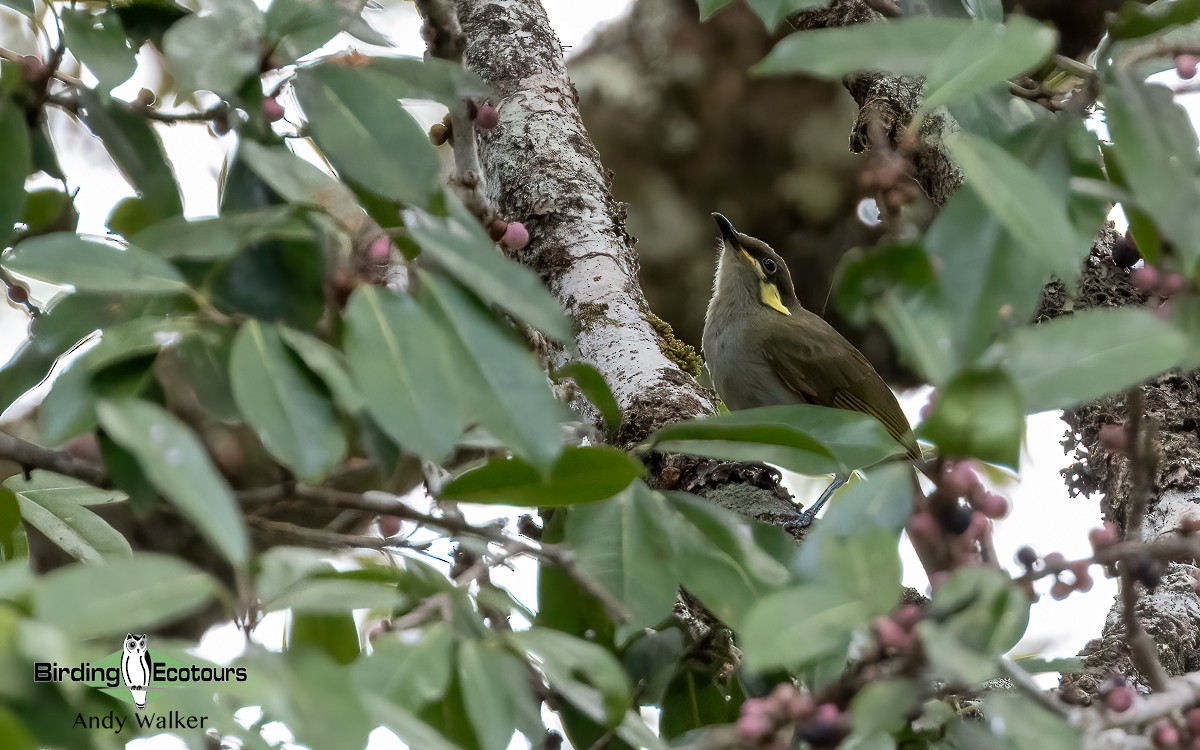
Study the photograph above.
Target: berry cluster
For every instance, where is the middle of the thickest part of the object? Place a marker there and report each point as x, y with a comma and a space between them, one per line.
895, 633
763, 721
956, 518
1174, 733
1157, 286
889, 175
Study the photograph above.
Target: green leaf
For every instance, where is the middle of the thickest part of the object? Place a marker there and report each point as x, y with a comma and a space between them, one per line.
425, 78
1024, 723
332, 593
92, 266
174, 460
297, 27
1155, 146
1040, 665
401, 361
409, 675
802, 438
21, 6
283, 404
865, 565
55, 506
628, 547
461, 247
958, 57
303, 183
580, 475
98, 40
978, 414
503, 386
720, 558
708, 7
221, 237
14, 167
1024, 203
137, 152
495, 690
407, 726
799, 626
772, 12
884, 706
693, 700
367, 135
585, 674
335, 634
120, 595
215, 51
1089, 354
594, 387
975, 617
328, 364
881, 499
1136, 20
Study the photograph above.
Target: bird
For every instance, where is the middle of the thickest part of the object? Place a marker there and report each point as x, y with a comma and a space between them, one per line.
762, 348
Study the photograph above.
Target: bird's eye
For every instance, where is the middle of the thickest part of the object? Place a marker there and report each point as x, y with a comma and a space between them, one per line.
768, 265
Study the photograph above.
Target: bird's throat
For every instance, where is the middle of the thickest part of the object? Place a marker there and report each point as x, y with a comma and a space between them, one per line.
770, 297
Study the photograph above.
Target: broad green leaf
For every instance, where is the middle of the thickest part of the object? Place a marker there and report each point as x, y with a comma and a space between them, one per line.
48, 210
693, 700
958, 57
1025, 204
335, 634
92, 266
401, 361
865, 565
585, 674
332, 593
46, 486
1132, 20
801, 438
708, 7
283, 404
982, 609
218, 50
503, 386
884, 706
634, 732
1089, 354
772, 12
719, 559
297, 27
1155, 146
798, 626
56, 506
121, 595
174, 460
411, 675
220, 237
314, 697
594, 387
137, 152
14, 167
461, 247
979, 414
406, 725
628, 547
328, 364
367, 135
303, 183
496, 691
1022, 722
21, 6
98, 40
580, 475
882, 499
1040, 665
425, 78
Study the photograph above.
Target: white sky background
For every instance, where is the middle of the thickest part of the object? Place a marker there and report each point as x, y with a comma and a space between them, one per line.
1043, 516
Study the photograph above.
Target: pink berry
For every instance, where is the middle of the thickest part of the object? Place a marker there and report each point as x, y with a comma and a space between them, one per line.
1083, 579
380, 249
1105, 536
1193, 720
1145, 279
922, 526
1164, 735
907, 616
1061, 590
992, 505
1055, 562
516, 236
890, 635
389, 526
1171, 284
1119, 698
1185, 66
1163, 311
800, 706
828, 712
1114, 437
753, 726
272, 109
487, 117
961, 478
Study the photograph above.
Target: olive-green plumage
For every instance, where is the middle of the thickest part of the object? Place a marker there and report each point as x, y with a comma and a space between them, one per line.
763, 348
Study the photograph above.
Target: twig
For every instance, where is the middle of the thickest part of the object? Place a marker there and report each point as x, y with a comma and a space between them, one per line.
56, 74
443, 34
330, 539
1026, 684
1143, 650
31, 456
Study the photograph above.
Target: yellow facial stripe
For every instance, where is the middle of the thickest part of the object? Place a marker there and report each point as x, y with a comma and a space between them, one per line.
753, 263
770, 297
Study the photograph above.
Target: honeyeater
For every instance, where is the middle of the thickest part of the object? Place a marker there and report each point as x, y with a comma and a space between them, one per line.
762, 348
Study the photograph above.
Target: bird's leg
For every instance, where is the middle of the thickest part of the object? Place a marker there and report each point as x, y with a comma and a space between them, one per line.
810, 514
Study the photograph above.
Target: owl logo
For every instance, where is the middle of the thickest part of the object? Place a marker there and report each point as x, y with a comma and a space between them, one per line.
135, 667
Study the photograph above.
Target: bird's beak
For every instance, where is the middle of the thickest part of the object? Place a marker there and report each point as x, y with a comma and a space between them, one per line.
731, 238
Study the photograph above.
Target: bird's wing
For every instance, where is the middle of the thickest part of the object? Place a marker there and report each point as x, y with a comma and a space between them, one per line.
834, 373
